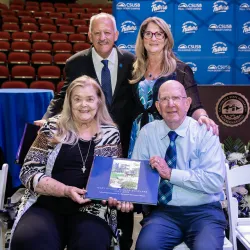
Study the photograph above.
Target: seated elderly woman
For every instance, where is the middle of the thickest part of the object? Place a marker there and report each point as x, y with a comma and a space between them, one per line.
54, 212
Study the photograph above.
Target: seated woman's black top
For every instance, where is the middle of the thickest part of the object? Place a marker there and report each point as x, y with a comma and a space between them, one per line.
68, 170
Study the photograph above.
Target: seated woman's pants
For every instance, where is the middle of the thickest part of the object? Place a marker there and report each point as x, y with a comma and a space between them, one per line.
40, 229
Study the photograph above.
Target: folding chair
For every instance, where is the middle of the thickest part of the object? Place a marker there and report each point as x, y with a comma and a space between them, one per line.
3, 182
239, 227
42, 85
20, 37
14, 85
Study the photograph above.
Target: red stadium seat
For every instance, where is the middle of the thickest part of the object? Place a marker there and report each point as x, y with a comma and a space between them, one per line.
32, 9
4, 46
67, 29
87, 5
20, 37
55, 15
78, 22
23, 72
27, 20
78, 10
4, 74
21, 47
3, 7
44, 4
45, 20
16, 8
10, 19
23, 13
14, 85
18, 58
59, 86
63, 10
40, 37
32, 3
17, 2
4, 36
107, 10
47, 10
92, 11
10, 27
76, 38
83, 30
42, 85
71, 16
62, 48
85, 16
58, 38
74, 5
30, 28
39, 14
61, 58
49, 73
48, 28
62, 21
60, 5
80, 46
42, 47
7, 12
3, 58
38, 59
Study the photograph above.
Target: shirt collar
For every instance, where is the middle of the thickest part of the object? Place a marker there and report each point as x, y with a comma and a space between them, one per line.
111, 57
181, 130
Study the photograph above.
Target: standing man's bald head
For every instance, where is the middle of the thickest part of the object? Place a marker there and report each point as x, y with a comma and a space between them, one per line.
173, 103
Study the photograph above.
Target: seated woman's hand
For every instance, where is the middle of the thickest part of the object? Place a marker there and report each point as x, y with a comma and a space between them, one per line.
124, 206
76, 194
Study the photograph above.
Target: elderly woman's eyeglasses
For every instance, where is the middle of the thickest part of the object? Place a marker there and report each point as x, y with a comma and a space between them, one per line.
149, 35
175, 99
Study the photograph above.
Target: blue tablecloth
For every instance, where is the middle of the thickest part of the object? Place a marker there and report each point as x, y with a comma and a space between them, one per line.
17, 107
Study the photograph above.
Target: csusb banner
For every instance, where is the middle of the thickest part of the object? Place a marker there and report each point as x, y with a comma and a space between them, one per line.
212, 37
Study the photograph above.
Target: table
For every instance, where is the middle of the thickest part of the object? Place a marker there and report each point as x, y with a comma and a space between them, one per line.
17, 107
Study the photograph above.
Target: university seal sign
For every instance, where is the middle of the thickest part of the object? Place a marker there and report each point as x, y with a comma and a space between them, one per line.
232, 109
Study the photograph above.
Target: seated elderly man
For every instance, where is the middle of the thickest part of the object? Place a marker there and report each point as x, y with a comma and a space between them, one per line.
190, 162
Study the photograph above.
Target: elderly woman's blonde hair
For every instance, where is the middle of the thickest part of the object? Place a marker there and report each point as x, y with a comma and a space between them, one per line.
169, 60
67, 127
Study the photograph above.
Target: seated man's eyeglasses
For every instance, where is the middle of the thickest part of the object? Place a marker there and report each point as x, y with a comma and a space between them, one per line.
149, 35
175, 99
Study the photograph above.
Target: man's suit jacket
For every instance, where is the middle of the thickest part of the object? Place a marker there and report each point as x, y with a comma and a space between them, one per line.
122, 102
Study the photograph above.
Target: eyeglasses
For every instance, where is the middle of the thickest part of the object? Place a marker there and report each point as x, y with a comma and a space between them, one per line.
149, 35
175, 99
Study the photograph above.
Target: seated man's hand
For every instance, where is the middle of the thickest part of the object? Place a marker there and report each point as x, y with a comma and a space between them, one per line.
161, 166
124, 206
39, 122
209, 123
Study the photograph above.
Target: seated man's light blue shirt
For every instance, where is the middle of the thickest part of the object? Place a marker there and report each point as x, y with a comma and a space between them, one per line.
200, 169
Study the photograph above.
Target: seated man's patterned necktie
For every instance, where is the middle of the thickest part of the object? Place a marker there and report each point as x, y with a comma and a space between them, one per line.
165, 187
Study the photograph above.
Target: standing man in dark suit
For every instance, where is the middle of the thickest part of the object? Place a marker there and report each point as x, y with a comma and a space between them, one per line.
103, 34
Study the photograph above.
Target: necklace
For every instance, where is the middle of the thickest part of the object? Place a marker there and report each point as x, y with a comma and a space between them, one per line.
84, 162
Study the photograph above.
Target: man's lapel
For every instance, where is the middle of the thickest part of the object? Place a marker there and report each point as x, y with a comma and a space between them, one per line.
120, 72
90, 68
